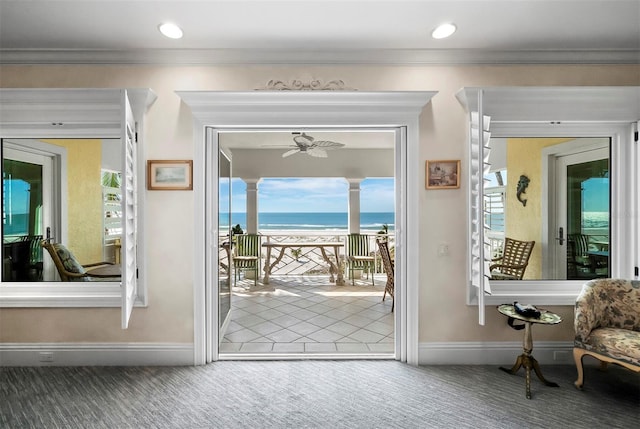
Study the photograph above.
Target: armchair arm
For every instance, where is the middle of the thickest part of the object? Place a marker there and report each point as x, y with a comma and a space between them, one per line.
586, 312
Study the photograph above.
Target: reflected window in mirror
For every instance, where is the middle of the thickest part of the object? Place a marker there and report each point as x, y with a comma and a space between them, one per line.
65, 191
556, 193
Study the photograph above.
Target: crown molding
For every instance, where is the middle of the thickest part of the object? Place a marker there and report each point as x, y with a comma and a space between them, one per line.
317, 57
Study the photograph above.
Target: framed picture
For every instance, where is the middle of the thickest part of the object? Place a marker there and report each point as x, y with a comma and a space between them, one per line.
165, 175
442, 174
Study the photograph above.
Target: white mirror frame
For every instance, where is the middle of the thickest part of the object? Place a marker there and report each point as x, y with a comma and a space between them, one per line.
84, 113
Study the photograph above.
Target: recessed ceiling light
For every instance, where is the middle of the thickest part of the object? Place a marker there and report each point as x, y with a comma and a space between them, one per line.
170, 30
443, 31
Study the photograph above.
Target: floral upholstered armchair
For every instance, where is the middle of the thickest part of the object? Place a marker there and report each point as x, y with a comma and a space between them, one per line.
607, 324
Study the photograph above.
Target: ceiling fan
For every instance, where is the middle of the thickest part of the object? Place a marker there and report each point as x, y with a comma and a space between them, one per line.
307, 144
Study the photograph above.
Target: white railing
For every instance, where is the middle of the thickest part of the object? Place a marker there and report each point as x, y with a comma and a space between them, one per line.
309, 260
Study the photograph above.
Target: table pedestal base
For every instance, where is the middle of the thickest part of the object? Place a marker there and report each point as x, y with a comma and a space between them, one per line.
528, 362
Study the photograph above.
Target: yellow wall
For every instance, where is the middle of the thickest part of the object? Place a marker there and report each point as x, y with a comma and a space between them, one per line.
169, 242
524, 157
84, 191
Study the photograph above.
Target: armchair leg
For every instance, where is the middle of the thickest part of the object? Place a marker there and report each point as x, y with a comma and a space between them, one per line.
578, 354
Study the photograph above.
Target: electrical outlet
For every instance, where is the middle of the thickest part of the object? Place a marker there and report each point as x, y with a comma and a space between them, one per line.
46, 356
443, 249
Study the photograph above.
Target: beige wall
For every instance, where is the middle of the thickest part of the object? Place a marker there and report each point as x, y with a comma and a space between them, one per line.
444, 316
525, 222
84, 202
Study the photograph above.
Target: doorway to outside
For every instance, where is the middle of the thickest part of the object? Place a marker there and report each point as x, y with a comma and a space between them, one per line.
291, 300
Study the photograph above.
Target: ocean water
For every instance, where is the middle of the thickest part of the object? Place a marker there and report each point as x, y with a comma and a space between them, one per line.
590, 221
311, 221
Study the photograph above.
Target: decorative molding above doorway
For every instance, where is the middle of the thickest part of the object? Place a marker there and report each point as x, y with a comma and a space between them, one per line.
307, 85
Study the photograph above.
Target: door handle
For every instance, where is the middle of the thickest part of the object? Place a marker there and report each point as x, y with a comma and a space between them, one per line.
560, 237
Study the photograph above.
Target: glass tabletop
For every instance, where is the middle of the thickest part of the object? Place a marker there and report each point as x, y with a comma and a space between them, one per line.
546, 317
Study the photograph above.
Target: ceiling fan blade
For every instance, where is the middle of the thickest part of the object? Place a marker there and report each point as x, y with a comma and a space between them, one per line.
317, 152
326, 144
290, 152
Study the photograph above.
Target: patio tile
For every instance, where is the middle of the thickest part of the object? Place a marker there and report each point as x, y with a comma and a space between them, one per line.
320, 347
256, 347
250, 320
270, 313
343, 328
288, 347
266, 328
325, 336
242, 336
358, 320
229, 347
365, 336
319, 308
286, 321
352, 347
304, 328
380, 328
381, 347
309, 315
283, 336
304, 314
322, 320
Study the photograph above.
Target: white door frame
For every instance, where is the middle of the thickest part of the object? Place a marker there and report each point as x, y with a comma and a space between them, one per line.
559, 192
549, 203
286, 109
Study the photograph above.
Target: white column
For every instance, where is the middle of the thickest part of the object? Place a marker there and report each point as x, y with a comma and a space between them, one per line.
252, 205
354, 205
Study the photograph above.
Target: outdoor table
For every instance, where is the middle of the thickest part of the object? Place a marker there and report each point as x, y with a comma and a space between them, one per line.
283, 246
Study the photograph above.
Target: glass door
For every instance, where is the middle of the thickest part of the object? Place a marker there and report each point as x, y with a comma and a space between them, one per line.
224, 263
26, 203
583, 201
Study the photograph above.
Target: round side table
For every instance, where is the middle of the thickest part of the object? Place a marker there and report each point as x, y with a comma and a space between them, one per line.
526, 360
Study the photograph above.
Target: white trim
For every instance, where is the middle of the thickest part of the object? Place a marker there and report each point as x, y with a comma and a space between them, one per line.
84, 113
311, 57
321, 109
569, 112
89, 354
493, 353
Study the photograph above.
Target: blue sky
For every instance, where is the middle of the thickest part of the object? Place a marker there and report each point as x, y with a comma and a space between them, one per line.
315, 195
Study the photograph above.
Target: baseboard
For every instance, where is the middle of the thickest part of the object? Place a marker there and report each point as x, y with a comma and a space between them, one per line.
95, 354
493, 353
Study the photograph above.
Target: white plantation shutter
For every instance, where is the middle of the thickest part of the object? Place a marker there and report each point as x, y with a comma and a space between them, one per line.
129, 207
479, 240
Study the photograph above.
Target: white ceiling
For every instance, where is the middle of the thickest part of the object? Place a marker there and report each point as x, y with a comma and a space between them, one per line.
351, 139
327, 31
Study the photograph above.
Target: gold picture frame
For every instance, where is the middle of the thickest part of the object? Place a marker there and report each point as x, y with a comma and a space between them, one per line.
442, 174
169, 175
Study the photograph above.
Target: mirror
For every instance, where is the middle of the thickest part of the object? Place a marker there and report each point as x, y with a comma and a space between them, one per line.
224, 237
66, 191
556, 192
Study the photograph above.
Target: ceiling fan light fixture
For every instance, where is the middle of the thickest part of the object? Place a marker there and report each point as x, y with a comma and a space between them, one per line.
170, 30
444, 30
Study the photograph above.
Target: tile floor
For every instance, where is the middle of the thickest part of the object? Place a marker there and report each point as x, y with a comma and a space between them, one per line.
307, 314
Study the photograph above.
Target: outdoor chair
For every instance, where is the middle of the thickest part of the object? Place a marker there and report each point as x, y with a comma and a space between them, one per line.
579, 264
246, 255
358, 256
389, 268
70, 269
514, 260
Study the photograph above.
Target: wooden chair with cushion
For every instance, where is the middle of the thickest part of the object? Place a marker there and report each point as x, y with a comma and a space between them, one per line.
358, 256
70, 269
514, 260
246, 255
389, 268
